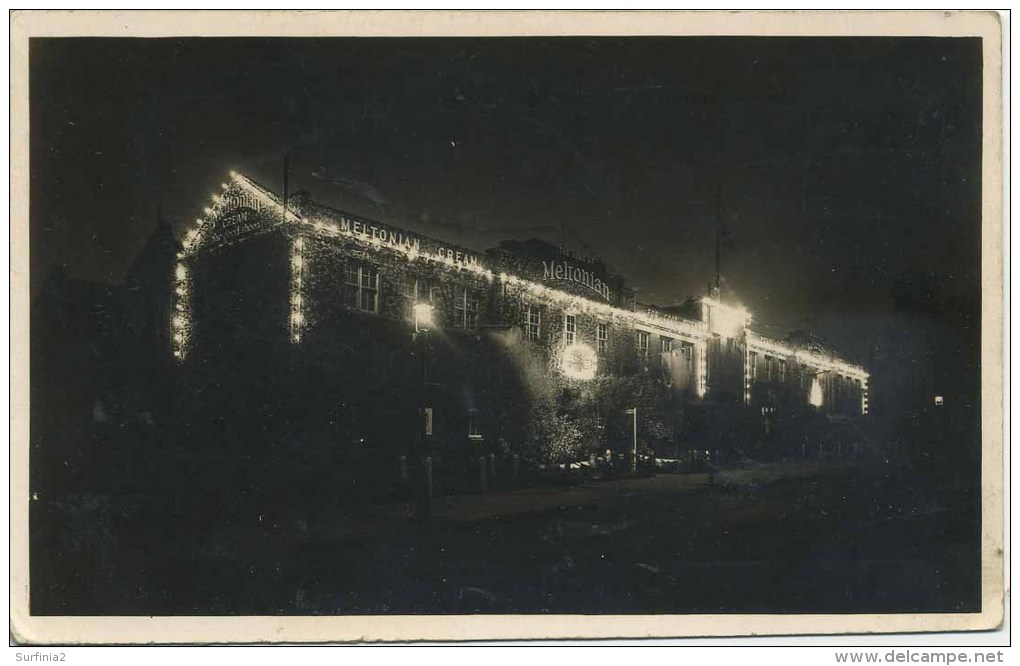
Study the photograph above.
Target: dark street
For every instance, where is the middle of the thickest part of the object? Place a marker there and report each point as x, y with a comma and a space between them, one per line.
787, 537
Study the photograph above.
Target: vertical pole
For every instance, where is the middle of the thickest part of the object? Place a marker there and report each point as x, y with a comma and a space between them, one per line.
633, 443
422, 460
286, 183
718, 242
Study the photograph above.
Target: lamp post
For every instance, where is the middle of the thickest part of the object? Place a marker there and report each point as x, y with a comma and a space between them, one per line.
423, 425
633, 442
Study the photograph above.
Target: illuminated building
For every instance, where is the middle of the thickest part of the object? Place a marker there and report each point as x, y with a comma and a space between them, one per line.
338, 296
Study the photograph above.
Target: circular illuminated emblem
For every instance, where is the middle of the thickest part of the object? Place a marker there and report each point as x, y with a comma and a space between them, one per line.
579, 361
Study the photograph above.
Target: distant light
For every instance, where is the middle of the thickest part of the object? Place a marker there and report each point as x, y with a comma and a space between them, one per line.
207, 211
224, 185
181, 272
815, 397
727, 320
939, 401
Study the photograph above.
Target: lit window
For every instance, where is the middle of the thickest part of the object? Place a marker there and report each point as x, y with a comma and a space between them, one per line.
782, 370
361, 288
939, 401
466, 310
754, 364
602, 336
569, 328
642, 343
410, 296
665, 345
532, 322
474, 431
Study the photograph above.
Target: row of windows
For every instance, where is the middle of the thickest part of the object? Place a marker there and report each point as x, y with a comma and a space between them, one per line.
361, 292
532, 324
666, 345
775, 368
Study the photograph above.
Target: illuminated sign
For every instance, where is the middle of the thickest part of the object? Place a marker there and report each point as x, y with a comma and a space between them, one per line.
562, 270
579, 361
380, 235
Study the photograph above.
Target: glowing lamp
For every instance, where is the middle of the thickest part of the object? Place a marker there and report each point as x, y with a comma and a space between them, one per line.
579, 361
181, 272
422, 317
939, 401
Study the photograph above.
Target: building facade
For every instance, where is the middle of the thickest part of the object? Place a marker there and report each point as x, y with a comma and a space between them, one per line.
364, 333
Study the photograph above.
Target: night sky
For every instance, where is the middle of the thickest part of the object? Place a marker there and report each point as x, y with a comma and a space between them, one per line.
845, 168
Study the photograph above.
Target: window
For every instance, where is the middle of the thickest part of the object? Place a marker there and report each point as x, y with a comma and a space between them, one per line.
754, 364
687, 349
414, 289
665, 345
642, 343
532, 322
569, 328
465, 310
361, 288
474, 431
782, 370
602, 337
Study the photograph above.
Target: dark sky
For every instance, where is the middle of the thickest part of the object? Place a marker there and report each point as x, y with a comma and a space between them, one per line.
846, 168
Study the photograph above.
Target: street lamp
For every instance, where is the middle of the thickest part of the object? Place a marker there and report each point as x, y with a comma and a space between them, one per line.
633, 442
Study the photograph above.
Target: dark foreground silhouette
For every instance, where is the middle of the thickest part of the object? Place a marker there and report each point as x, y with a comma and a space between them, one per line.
784, 537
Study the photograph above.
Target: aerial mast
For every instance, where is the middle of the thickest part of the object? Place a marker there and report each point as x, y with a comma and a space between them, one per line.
717, 290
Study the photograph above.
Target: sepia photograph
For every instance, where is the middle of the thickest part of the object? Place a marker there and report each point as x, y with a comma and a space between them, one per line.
369, 326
